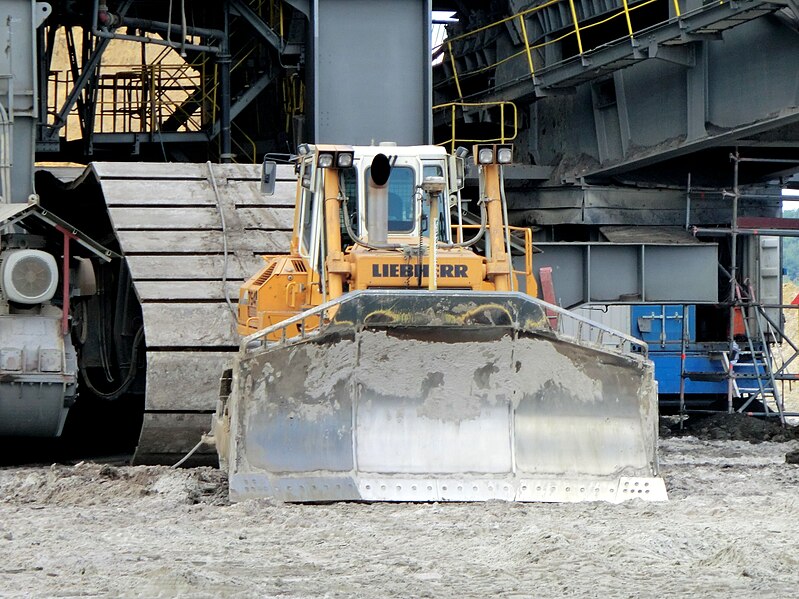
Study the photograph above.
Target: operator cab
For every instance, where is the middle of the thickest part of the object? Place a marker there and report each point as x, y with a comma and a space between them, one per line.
410, 166
408, 214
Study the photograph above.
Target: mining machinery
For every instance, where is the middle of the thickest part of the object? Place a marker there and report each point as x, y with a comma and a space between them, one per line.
121, 277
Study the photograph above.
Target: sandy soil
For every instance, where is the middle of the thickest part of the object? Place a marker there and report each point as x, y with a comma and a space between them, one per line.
731, 529
789, 389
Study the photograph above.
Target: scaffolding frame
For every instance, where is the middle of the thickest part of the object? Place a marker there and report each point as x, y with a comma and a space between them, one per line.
760, 330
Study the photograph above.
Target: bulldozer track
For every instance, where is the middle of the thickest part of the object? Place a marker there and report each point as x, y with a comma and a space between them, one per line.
190, 233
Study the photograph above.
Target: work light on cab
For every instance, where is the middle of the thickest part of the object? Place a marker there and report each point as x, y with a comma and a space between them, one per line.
485, 155
504, 154
344, 159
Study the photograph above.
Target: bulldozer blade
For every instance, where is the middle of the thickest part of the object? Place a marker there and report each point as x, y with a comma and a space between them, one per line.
431, 396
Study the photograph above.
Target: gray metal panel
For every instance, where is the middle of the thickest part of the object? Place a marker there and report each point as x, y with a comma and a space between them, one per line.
769, 280
185, 171
371, 71
615, 272
155, 192
630, 273
7, 212
166, 371
681, 274
628, 206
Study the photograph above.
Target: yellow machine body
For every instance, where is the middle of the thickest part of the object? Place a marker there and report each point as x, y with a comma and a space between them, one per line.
289, 285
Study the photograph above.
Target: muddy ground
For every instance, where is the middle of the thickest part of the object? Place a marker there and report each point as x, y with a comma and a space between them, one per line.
731, 529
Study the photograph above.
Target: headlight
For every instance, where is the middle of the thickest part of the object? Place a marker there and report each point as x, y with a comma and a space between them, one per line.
344, 160
504, 154
485, 156
324, 160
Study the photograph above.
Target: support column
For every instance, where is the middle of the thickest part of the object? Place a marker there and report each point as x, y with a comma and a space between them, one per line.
223, 60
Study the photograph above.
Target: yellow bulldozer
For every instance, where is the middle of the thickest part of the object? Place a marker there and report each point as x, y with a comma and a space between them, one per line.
398, 354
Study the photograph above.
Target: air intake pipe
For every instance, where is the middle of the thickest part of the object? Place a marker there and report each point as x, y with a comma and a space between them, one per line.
377, 194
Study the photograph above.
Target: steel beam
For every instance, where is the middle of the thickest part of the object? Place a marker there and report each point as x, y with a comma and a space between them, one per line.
243, 10
620, 273
246, 99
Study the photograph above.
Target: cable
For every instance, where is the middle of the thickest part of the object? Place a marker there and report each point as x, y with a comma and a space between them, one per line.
110, 396
204, 439
212, 178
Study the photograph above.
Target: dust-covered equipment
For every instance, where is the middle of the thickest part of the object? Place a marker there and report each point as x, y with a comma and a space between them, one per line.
398, 355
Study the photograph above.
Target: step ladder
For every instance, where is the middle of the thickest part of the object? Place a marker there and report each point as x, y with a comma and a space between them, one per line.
753, 371
748, 369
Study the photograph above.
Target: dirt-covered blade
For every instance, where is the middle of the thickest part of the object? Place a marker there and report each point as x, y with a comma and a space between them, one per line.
420, 396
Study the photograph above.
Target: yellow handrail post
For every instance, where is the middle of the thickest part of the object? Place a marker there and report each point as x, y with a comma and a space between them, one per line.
677, 7
502, 122
515, 120
527, 46
627, 16
576, 26
454, 69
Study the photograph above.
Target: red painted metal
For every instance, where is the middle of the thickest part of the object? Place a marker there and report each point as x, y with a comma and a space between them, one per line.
65, 276
548, 289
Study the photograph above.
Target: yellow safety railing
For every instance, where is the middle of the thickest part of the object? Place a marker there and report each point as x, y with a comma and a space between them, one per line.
530, 47
246, 146
506, 110
521, 236
138, 97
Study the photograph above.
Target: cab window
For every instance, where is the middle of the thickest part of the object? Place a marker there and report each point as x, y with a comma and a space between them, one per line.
307, 218
435, 170
349, 187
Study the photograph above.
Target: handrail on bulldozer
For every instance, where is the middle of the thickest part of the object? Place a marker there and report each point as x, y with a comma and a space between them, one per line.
582, 329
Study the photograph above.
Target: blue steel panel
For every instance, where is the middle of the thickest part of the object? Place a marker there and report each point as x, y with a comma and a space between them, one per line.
667, 373
651, 318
